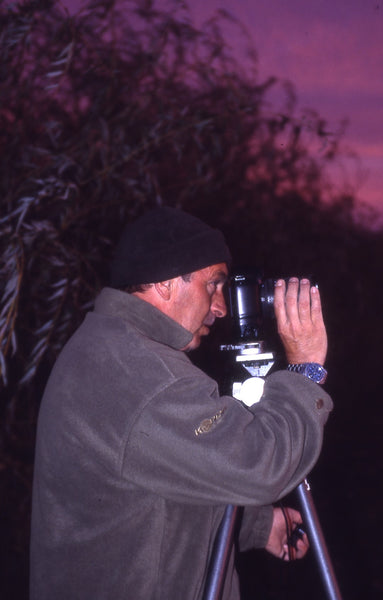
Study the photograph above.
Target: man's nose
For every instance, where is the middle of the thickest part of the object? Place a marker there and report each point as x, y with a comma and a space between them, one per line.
218, 306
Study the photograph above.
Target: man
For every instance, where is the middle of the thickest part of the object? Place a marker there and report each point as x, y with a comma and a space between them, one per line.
137, 453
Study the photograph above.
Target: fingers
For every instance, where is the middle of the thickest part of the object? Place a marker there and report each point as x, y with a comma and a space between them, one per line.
298, 541
295, 544
316, 306
279, 301
302, 547
280, 542
300, 321
295, 552
295, 302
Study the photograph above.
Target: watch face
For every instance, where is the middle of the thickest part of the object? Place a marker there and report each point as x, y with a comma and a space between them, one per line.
315, 372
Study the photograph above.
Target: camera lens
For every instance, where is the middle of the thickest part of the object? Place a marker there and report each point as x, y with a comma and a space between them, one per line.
267, 298
245, 303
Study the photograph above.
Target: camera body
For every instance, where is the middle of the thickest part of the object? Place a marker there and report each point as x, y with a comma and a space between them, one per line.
251, 300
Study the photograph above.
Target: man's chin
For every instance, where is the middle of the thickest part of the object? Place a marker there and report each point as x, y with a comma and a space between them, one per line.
196, 340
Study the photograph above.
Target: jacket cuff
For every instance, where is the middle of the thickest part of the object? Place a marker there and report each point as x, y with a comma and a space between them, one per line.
255, 527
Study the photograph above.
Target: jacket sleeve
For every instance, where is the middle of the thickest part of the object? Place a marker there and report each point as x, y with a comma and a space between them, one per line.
255, 527
191, 445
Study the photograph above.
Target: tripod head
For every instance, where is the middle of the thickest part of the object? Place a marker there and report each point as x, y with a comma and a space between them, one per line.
251, 303
253, 361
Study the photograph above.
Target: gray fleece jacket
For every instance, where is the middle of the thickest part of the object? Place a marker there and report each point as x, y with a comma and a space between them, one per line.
137, 455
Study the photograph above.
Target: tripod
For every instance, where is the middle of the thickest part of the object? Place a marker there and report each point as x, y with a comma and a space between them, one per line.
258, 363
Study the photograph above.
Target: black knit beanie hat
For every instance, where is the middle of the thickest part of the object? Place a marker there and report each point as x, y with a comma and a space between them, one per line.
164, 243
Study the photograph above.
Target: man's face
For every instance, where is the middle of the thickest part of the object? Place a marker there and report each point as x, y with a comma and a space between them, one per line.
197, 303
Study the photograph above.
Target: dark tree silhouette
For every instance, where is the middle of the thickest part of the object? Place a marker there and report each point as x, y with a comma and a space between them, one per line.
125, 106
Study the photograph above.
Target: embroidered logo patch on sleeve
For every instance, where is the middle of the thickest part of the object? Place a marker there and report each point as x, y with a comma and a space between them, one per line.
207, 424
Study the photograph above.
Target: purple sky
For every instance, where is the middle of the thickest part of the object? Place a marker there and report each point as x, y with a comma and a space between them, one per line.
332, 51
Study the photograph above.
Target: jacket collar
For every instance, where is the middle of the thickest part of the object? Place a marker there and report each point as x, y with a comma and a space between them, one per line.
150, 321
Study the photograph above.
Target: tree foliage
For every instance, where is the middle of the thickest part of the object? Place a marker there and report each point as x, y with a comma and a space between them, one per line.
121, 107
104, 114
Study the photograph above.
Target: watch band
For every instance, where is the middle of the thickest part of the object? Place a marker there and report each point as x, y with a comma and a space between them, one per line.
313, 371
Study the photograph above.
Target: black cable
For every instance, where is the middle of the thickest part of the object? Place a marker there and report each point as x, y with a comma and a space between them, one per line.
293, 534
289, 532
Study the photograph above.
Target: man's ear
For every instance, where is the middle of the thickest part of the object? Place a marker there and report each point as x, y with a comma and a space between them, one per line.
164, 289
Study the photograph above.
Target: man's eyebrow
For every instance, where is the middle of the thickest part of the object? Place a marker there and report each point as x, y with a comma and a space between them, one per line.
221, 275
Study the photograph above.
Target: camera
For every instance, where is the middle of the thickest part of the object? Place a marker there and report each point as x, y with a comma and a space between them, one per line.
251, 301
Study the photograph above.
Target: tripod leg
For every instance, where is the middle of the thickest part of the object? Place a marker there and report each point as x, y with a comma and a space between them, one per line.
317, 541
218, 563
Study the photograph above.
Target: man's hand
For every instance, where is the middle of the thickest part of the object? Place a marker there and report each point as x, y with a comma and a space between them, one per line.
300, 321
277, 542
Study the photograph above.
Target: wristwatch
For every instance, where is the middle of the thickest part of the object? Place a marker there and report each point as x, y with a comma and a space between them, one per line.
313, 371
